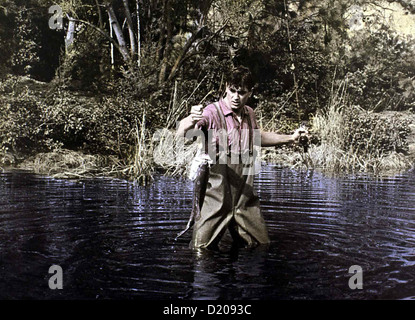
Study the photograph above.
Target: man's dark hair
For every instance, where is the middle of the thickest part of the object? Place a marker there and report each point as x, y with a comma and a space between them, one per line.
240, 77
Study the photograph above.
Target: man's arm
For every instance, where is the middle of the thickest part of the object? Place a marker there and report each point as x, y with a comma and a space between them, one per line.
185, 125
271, 139
189, 122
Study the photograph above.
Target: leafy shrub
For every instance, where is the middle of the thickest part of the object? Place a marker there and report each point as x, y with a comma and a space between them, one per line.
350, 138
20, 114
33, 123
381, 71
371, 133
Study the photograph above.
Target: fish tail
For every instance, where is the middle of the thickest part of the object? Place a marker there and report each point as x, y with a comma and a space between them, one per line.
190, 223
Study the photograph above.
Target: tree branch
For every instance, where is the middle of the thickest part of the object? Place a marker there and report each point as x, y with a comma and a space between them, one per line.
106, 35
190, 41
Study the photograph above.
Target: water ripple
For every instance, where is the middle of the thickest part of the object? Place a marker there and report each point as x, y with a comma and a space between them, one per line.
113, 239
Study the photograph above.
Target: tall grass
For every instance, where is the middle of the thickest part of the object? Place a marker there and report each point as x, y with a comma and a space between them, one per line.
349, 139
63, 163
173, 154
179, 105
141, 165
355, 140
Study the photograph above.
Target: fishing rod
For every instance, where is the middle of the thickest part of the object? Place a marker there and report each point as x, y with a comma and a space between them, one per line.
290, 49
303, 140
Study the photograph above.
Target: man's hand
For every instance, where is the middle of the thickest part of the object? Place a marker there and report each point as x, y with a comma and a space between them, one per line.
196, 113
190, 121
298, 133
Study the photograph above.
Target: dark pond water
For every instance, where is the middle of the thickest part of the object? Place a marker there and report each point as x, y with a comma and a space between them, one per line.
113, 239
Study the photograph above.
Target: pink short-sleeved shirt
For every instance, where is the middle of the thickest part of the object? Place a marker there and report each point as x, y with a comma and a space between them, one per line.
238, 132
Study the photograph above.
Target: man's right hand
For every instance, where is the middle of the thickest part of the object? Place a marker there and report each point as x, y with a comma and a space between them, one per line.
190, 121
196, 113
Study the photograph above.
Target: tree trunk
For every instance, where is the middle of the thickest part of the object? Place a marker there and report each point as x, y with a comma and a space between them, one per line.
161, 41
168, 44
111, 46
184, 51
102, 32
130, 27
70, 33
118, 32
138, 35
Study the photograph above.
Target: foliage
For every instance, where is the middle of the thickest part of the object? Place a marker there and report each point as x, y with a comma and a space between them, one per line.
27, 37
351, 138
20, 128
295, 49
28, 46
60, 118
370, 133
382, 71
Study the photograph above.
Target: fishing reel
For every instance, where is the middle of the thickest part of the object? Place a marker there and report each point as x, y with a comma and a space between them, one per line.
304, 140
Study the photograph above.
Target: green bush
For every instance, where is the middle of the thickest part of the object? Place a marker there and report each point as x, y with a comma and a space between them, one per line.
31, 123
20, 118
381, 71
372, 133
349, 138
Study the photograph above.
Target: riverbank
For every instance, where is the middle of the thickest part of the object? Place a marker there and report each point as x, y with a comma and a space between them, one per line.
70, 164
402, 116
364, 142
61, 134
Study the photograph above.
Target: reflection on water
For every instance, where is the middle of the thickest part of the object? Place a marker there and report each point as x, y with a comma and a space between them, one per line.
113, 239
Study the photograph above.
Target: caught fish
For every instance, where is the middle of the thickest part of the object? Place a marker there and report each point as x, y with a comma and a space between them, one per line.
199, 190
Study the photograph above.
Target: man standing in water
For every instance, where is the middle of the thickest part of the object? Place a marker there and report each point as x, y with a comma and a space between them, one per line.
230, 201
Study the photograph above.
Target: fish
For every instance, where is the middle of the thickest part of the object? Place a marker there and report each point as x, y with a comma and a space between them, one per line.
199, 191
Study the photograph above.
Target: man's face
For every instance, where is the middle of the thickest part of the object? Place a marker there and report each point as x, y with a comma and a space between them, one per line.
236, 98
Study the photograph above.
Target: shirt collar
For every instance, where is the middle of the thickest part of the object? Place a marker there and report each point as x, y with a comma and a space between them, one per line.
227, 111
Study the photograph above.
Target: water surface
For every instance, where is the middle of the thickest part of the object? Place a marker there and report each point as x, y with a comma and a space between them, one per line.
113, 239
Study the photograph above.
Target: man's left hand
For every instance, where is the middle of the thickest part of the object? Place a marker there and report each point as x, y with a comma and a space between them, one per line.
298, 133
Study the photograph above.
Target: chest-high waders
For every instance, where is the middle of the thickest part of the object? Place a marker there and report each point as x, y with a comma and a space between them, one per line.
230, 203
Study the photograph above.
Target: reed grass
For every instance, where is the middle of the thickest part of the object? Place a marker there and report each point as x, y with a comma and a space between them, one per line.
141, 165
172, 154
338, 147
6, 158
336, 153
70, 164
179, 105
64, 163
